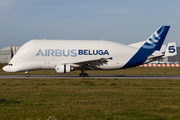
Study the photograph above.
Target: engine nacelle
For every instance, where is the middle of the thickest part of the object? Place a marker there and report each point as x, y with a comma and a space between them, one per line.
63, 68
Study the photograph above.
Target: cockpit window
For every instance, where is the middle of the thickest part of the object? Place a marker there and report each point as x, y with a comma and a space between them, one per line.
10, 64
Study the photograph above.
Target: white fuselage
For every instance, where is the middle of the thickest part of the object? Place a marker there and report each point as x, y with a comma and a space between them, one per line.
45, 54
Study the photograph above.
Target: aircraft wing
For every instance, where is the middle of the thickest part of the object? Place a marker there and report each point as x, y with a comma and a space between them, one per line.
93, 64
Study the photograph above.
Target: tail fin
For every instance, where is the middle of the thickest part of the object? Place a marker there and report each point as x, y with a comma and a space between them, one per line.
154, 42
151, 42
171, 49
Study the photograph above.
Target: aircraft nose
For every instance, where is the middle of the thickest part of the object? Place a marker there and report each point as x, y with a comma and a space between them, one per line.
9, 68
5, 68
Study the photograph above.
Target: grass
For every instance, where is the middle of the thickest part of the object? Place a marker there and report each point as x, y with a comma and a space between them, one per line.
89, 99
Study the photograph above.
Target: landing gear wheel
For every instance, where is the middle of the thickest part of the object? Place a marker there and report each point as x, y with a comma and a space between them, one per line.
86, 75
27, 75
83, 75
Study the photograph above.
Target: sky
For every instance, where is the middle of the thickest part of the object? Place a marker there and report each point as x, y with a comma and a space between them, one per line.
123, 21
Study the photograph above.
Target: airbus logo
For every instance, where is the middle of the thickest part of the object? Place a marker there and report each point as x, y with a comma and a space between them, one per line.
153, 40
70, 52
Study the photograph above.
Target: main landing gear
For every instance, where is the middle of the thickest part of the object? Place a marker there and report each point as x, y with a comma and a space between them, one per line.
27, 74
83, 74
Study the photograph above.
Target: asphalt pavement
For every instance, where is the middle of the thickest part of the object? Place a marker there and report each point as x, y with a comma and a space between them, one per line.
91, 77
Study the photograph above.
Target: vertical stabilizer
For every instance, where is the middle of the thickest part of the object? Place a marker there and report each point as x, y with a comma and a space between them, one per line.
154, 42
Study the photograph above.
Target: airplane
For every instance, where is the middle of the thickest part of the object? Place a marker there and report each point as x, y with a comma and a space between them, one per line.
65, 56
161, 54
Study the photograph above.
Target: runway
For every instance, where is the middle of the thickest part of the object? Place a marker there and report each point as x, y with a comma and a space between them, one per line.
91, 77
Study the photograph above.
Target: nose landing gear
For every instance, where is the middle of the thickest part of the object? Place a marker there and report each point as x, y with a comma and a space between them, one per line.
27, 74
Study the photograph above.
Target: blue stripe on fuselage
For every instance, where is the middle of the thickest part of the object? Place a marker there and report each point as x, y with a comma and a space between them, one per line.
139, 58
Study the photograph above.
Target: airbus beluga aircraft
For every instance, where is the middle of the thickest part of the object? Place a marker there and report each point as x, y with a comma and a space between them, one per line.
64, 56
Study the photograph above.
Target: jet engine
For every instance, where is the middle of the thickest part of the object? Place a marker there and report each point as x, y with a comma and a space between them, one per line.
63, 68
